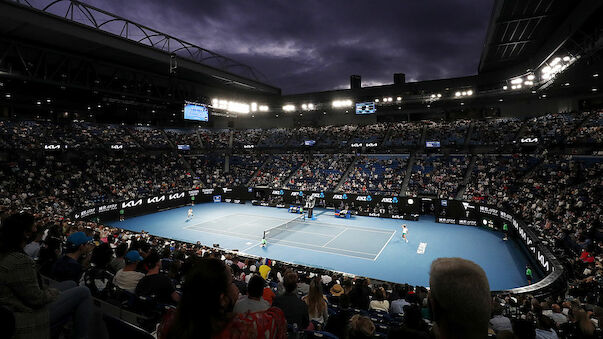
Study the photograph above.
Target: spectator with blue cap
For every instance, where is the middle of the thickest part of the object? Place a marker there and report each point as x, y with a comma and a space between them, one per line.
127, 278
68, 267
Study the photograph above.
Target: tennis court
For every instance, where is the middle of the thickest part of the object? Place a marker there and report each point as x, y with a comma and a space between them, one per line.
366, 246
357, 242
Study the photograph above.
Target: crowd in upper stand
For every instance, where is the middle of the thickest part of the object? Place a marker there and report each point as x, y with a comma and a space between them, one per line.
552, 128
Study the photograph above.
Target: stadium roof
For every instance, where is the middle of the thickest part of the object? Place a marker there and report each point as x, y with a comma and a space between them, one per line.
523, 33
79, 28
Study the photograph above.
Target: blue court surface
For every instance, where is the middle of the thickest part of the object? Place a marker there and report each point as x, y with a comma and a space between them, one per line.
366, 246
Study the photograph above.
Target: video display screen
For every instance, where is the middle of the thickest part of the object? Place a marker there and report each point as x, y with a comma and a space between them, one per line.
432, 144
365, 108
195, 111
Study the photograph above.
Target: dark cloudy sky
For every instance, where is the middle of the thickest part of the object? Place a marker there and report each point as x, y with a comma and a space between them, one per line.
310, 45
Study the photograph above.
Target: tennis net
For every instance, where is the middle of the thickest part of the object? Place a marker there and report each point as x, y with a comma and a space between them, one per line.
273, 232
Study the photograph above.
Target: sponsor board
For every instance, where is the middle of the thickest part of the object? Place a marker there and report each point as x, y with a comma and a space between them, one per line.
52, 147
468, 222
107, 208
446, 220
174, 196
117, 146
155, 200
207, 191
131, 203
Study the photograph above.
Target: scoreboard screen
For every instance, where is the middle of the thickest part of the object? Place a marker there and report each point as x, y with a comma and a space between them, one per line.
195, 111
365, 108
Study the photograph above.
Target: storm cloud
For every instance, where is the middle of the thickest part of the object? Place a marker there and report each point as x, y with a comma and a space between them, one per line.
307, 46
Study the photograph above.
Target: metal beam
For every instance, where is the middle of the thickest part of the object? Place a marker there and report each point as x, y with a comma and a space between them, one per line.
512, 20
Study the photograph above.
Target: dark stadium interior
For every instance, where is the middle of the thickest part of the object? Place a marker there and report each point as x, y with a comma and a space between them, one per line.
103, 119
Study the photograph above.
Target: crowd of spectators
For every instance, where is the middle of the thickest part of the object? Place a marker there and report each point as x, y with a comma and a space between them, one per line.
495, 131
437, 175
320, 173
404, 134
447, 133
168, 280
557, 195
376, 175
150, 137
567, 128
495, 178
276, 170
552, 128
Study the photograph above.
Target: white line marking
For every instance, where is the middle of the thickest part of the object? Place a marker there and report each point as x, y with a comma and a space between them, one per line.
278, 241
335, 237
382, 248
250, 247
345, 255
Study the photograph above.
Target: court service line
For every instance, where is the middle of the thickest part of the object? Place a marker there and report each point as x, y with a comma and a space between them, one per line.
384, 246
345, 255
335, 237
313, 249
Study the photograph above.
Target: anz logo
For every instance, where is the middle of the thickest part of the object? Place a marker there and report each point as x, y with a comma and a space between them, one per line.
155, 200
131, 203
278, 192
393, 200
176, 196
364, 198
340, 196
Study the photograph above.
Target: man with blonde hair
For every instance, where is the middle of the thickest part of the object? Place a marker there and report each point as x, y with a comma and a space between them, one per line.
459, 298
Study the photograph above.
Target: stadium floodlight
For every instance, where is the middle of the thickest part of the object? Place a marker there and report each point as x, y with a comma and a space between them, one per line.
399, 98
264, 108
214, 102
433, 96
566, 58
555, 61
48, 100
7, 95
310, 106
341, 103
513, 86
457, 94
289, 108
528, 83
376, 100
463, 93
470, 92
254, 106
518, 86
594, 89
304, 106
439, 95
410, 201
531, 77
389, 99
517, 81
505, 87
38, 102
596, 75
546, 69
